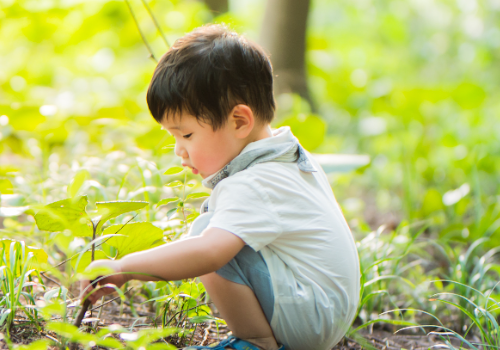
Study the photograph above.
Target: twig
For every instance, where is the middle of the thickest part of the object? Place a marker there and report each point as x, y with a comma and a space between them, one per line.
109, 301
82, 313
52, 338
156, 23
171, 318
50, 279
85, 305
140, 32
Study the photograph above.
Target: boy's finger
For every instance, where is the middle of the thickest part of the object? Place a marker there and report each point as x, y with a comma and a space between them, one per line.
102, 291
86, 288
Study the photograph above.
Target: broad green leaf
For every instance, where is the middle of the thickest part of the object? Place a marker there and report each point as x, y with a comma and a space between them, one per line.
6, 186
63, 329
54, 308
42, 344
160, 284
166, 201
173, 170
110, 343
109, 210
77, 182
197, 195
65, 214
86, 259
39, 255
137, 236
70, 332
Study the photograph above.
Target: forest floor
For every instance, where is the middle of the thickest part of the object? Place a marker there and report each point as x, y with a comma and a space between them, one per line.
25, 332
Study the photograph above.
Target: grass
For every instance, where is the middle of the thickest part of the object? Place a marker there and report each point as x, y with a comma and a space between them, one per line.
16, 281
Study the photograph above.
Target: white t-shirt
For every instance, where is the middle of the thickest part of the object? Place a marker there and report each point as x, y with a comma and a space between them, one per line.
293, 219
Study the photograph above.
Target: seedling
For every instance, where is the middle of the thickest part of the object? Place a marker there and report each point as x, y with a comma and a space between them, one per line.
121, 239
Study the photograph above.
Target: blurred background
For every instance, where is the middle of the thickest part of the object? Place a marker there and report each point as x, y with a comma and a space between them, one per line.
412, 84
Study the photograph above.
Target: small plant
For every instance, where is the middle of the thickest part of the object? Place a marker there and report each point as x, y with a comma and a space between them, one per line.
113, 242
18, 265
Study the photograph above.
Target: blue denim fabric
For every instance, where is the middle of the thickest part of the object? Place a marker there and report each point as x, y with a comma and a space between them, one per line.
247, 268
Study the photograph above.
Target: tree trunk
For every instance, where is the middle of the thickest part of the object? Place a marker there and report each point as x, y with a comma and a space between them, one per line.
217, 7
283, 35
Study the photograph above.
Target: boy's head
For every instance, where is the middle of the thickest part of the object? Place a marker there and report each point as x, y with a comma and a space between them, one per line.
207, 73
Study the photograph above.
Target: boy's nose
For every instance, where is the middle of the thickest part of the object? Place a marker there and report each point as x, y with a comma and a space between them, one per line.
180, 151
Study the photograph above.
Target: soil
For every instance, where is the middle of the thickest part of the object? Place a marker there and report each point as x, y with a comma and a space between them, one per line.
25, 332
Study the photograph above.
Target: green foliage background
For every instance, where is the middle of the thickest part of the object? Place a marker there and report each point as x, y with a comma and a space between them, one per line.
413, 84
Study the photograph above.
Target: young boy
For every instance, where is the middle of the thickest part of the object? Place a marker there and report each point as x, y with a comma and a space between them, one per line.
271, 245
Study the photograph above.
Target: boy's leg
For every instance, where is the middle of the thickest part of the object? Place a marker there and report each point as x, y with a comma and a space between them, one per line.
240, 308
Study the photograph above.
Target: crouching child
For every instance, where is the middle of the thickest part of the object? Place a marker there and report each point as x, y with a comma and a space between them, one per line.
271, 245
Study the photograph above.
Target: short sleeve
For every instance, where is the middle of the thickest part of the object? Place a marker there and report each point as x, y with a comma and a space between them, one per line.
241, 207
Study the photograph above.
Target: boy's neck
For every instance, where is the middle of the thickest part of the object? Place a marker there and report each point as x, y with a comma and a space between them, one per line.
260, 132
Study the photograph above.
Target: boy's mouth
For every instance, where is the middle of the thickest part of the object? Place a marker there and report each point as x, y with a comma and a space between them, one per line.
194, 170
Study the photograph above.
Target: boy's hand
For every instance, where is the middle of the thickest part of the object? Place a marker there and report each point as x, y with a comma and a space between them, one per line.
116, 279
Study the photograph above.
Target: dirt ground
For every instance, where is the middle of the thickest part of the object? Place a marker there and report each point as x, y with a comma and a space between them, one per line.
205, 334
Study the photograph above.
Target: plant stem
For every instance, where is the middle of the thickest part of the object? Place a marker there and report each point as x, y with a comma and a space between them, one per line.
94, 228
82, 312
156, 23
140, 32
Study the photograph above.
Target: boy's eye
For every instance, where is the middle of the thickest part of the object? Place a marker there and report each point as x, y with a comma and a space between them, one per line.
187, 136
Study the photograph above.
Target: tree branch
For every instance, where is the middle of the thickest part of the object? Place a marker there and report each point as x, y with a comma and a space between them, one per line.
152, 55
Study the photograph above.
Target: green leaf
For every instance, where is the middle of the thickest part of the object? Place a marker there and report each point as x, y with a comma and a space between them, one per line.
137, 236
201, 319
197, 195
109, 210
41, 344
65, 214
171, 212
86, 259
54, 308
69, 331
173, 170
160, 284
310, 130
166, 201
109, 343
39, 255
77, 182
432, 202
175, 183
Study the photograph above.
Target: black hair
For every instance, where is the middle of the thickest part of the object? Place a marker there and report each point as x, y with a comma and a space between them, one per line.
207, 72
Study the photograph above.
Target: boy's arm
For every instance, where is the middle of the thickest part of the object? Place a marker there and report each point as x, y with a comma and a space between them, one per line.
182, 259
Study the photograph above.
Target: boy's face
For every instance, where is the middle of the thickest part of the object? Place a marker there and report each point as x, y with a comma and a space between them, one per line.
201, 148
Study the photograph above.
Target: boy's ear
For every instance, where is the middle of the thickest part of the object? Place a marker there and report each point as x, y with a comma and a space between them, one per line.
242, 119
